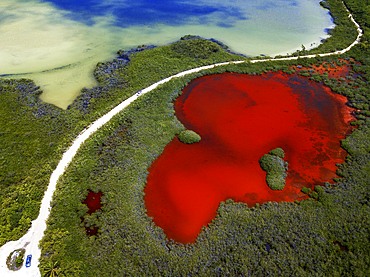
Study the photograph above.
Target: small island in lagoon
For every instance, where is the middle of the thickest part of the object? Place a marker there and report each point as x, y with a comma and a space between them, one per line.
276, 168
116, 160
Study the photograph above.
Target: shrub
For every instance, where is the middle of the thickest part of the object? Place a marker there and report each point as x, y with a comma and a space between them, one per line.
278, 152
275, 168
189, 137
195, 47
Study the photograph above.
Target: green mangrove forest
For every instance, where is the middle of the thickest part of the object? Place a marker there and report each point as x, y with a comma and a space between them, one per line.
326, 234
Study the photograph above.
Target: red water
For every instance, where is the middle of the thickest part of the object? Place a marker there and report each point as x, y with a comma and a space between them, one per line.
91, 231
93, 201
240, 118
332, 69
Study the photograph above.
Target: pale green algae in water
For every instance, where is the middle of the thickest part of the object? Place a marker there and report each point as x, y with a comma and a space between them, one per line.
46, 44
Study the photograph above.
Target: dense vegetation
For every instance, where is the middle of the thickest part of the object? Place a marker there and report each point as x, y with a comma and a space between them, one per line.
323, 235
30, 137
275, 167
189, 136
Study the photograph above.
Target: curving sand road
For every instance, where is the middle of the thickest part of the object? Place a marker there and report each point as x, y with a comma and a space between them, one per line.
34, 235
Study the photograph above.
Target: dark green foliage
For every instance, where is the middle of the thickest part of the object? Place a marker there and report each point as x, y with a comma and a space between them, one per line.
195, 47
278, 152
52, 269
306, 190
29, 137
324, 4
275, 167
20, 259
189, 137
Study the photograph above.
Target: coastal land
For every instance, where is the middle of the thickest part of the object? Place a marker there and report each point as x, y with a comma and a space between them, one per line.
324, 234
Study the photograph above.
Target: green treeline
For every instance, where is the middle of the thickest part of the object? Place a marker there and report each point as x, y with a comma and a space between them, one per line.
325, 235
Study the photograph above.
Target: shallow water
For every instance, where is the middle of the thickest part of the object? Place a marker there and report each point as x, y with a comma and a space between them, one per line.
242, 118
39, 36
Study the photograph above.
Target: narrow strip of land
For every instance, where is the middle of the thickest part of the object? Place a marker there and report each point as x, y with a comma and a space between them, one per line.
31, 239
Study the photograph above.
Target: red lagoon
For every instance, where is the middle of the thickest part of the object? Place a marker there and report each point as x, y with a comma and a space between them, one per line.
240, 118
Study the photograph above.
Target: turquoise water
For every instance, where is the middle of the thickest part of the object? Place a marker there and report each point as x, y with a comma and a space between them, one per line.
58, 42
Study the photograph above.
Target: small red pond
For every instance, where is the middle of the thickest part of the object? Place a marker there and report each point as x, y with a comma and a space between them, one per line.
240, 118
93, 201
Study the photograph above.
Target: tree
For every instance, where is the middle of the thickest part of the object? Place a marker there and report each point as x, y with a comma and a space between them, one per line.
52, 269
189, 137
275, 167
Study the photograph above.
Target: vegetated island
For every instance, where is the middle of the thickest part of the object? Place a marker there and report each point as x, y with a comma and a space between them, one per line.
189, 137
322, 236
16, 259
276, 168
